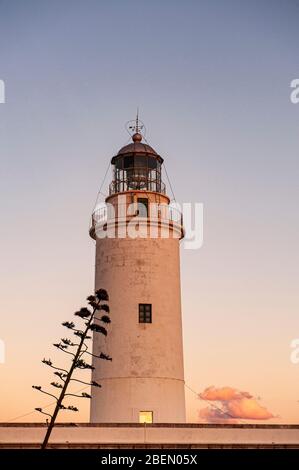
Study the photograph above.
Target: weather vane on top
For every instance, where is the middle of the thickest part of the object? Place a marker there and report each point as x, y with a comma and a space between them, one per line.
136, 126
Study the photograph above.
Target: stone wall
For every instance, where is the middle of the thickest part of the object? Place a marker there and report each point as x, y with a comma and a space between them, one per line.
150, 436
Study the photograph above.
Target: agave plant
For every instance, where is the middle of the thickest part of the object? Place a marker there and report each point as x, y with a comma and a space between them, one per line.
77, 351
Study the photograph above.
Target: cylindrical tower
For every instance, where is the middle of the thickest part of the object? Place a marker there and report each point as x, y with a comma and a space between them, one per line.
138, 263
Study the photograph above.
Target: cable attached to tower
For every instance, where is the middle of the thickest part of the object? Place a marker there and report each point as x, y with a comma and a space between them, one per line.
100, 190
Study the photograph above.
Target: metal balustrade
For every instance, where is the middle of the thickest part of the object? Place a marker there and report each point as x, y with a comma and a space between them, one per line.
155, 212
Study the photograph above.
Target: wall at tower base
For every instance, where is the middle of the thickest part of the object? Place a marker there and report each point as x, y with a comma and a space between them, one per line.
169, 391
109, 436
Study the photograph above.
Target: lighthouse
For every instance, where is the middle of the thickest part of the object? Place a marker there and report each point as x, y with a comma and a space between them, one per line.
137, 235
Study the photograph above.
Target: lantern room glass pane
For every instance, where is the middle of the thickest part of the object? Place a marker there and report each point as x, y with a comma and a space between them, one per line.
140, 162
129, 162
152, 162
119, 163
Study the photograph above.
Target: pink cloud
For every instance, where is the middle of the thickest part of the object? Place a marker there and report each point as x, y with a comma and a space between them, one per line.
223, 394
248, 408
232, 404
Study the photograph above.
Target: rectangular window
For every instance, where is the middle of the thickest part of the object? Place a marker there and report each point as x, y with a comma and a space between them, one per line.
142, 203
145, 313
146, 417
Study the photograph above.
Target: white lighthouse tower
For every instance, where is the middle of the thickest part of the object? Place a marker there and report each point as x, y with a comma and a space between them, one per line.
138, 263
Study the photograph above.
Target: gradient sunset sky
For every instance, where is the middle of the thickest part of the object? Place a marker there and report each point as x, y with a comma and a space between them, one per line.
212, 82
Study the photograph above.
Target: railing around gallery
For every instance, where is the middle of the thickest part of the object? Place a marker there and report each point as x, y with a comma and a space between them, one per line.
164, 213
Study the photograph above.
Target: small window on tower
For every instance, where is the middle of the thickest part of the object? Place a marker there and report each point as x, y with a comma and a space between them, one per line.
145, 417
145, 313
142, 206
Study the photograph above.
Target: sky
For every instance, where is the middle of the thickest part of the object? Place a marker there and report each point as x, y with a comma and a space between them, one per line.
212, 82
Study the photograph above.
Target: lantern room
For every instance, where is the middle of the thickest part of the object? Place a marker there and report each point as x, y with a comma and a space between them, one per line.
137, 166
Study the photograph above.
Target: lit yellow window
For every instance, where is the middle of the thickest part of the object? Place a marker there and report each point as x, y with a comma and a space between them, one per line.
145, 417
